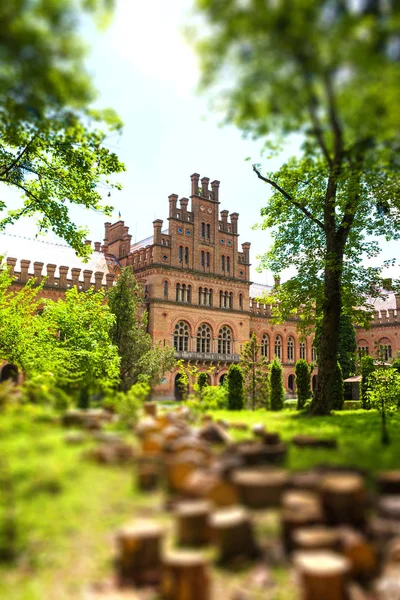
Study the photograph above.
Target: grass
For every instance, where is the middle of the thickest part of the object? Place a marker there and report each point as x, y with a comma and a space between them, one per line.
357, 433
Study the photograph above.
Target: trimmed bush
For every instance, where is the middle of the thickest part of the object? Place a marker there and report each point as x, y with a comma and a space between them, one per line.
338, 389
303, 382
202, 381
235, 388
277, 393
367, 367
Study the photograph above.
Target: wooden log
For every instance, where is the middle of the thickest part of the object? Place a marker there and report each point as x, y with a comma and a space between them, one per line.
392, 552
299, 499
210, 486
359, 551
389, 507
382, 531
343, 499
178, 468
188, 443
152, 443
260, 487
256, 454
146, 426
310, 441
185, 576
214, 434
388, 482
293, 519
322, 575
147, 476
192, 518
139, 553
305, 480
316, 538
271, 439
232, 532
150, 408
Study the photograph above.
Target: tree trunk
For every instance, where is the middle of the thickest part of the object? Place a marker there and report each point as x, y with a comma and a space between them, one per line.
331, 310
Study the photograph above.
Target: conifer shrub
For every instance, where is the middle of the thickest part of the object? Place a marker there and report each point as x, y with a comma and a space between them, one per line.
338, 389
235, 388
303, 383
367, 367
277, 391
202, 381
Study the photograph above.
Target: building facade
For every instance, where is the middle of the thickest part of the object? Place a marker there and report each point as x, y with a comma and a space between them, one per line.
197, 289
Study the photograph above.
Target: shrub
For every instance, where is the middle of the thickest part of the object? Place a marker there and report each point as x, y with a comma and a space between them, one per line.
235, 388
367, 368
42, 390
384, 395
277, 391
338, 389
303, 382
213, 398
396, 364
202, 381
127, 404
291, 404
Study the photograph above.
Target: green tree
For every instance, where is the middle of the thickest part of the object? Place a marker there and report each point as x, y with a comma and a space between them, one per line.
303, 382
255, 372
235, 388
292, 67
52, 143
367, 368
277, 393
384, 395
140, 360
202, 381
338, 389
396, 364
347, 345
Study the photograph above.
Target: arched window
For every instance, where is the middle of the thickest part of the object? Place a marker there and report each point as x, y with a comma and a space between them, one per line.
178, 292
181, 337
291, 381
226, 300
165, 285
241, 301
210, 298
385, 349
363, 349
208, 231
265, 346
180, 253
186, 255
203, 230
303, 350
290, 350
314, 354
202, 255
223, 263
204, 338
189, 294
207, 259
231, 300
200, 295
205, 296
225, 340
183, 292
278, 347
228, 263
221, 299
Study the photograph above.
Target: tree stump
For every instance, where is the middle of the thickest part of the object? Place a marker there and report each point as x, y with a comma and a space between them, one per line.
305, 480
192, 518
188, 443
256, 454
232, 532
139, 553
178, 468
147, 476
185, 576
316, 538
299, 499
146, 426
270, 438
260, 488
150, 408
322, 575
344, 499
310, 441
293, 519
359, 551
259, 430
389, 507
209, 486
214, 434
152, 443
388, 482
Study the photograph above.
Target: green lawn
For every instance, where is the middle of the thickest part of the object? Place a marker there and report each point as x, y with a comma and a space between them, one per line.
357, 432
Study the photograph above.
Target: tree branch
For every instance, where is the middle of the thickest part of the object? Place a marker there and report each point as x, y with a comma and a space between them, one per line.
289, 198
8, 169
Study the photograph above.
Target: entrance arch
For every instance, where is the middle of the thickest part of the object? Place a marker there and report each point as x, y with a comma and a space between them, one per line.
179, 387
222, 379
291, 382
9, 373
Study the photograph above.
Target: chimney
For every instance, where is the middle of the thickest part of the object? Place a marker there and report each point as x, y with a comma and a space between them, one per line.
75, 277
224, 219
98, 280
106, 230
50, 270
277, 281
195, 184
11, 262
24, 270
87, 276
37, 270
214, 187
184, 204
157, 225
246, 252
234, 222
110, 279
172, 205
204, 187
97, 246
63, 276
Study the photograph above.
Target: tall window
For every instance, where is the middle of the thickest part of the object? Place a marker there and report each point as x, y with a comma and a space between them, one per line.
228, 263
202, 258
178, 292
186, 255
290, 350
165, 289
180, 253
181, 336
314, 354
225, 340
231, 300
226, 300
189, 294
363, 349
204, 338
223, 263
303, 350
241, 301
265, 346
278, 347
203, 230
207, 259
183, 293
208, 231
210, 297
385, 349
200, 295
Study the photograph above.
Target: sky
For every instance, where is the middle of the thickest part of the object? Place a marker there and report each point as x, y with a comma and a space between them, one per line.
143, 67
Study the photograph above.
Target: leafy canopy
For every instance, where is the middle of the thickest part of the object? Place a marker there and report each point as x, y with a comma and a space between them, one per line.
52, 144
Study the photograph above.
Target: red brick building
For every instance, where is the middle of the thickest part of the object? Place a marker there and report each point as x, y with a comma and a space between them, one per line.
197, 288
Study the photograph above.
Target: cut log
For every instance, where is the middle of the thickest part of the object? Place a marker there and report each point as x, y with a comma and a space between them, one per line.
185, 576
173, 432
239, 426
152, 443
344, 499
260, 487
255, 454
389, 507
388, 482
392, 552
150, 408
192, 518
359, 551
146, 426
305, 480
188, 443
382, 531
178, 468
309, 441
210, 486
293, 519
215, 434
316, 538
232, 532
139, 553
271, 439
299, 499
147, 476
322, 575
